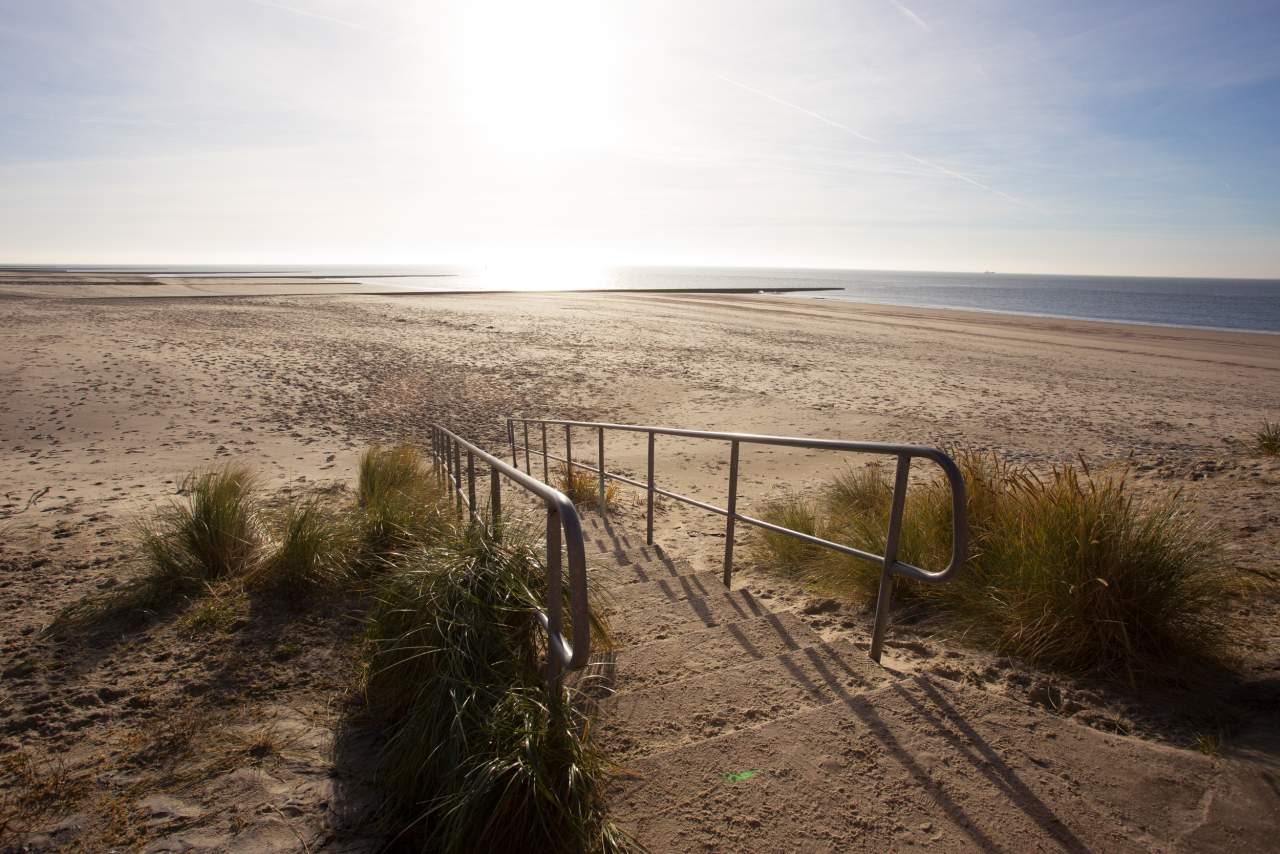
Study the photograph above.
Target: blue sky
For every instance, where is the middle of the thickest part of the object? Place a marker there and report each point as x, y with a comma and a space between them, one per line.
1127, 138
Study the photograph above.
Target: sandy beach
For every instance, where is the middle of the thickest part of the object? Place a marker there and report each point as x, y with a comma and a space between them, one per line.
109, 400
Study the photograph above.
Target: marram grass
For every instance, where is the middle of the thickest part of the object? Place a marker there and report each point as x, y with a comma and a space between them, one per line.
213, 534
582, 487
1070, 570
399, 505
479, 755
1267, 438
210, 536
314, 550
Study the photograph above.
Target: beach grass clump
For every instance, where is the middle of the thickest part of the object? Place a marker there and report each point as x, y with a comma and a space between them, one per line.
479, 755
399, 504
582, 487
1069, 570
212, 535
212, 614
33, 791
314, 550
1267, 438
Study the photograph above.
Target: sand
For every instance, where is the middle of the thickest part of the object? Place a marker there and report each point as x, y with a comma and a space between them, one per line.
108, 401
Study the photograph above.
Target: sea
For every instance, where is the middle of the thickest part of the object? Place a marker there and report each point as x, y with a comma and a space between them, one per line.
1226, 304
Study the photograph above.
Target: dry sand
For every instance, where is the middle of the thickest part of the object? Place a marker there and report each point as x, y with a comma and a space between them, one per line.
179, 739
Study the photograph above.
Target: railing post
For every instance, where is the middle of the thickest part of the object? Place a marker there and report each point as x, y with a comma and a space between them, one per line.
495, 501
471, 485
546, 471
457, 475
884, 599
648, 536
568, 456
600, 470
528, 468
731, 516
511, 437
555, 598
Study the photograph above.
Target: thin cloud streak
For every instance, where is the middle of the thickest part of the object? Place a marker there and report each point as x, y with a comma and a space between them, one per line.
941, 170
912, 16
351, 25
962, 177
835, 124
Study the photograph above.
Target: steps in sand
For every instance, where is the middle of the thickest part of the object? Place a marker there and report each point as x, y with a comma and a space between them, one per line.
735, 728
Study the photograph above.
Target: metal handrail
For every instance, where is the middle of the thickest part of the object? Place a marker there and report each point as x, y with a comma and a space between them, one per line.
447, 450
889, 563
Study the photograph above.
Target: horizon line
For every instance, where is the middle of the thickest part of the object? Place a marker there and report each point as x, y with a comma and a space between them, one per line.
196, 269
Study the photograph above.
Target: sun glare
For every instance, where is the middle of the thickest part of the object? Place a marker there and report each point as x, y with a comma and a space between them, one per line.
536, 77
544, 271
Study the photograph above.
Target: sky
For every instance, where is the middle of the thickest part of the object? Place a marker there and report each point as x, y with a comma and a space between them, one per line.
1135, 138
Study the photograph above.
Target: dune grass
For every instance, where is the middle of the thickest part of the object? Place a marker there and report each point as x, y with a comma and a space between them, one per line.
315, 549
214, 613
582, 487
1267, 438
220, 531
1069, 570
32, 792
213, 534
399, 506
479, 755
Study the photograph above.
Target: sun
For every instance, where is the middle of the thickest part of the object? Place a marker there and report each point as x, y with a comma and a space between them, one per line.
537, 77
542, 270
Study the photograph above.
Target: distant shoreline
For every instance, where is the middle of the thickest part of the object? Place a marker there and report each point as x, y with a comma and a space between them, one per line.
1209, 305
1042, 315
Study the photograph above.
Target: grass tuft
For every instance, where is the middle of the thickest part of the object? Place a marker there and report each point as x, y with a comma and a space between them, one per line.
1068, 571
32, 791
212, 535
1267, 438
214, 614
478, 755
1209, 743
582, 487
315, 549
399, 506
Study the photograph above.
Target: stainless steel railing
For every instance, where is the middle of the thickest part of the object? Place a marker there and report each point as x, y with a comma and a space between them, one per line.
889, 563
447, 452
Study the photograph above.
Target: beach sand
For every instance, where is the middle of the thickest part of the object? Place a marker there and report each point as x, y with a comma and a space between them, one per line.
108, 401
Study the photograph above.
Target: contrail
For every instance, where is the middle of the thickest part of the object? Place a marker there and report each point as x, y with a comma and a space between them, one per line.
911, 15
835, 124
945, 171
942, 170
351, 25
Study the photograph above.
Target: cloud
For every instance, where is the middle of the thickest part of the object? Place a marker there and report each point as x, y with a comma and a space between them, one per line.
911, 16
941, 170
835, 124
342, 22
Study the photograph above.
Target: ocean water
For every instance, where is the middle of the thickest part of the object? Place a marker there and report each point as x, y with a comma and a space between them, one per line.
1235, 304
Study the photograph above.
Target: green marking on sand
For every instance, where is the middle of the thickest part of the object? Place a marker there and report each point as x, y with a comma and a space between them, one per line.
740, 777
